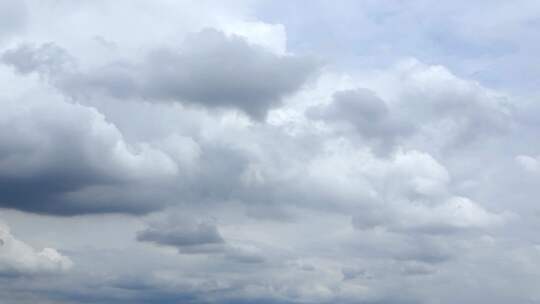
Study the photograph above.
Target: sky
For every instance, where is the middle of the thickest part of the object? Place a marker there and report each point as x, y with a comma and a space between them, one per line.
269, 152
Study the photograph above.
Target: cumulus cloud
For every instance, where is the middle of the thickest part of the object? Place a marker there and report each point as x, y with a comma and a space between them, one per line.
211, 69
439, 100
417, 197
18, 258
420, 105
191, 236
246, 175
61, 158
186, 155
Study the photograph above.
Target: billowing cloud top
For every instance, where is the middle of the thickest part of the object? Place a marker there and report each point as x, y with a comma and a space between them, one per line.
201, 152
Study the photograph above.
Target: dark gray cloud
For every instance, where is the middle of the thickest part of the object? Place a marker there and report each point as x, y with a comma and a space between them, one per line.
239, 255
67, 159
186, 237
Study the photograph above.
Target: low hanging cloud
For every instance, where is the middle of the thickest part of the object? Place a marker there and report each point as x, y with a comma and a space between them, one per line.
186, 235
191, 236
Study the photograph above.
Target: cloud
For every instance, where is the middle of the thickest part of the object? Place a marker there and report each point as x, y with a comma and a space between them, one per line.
416, 105
253, 178
367, 114
65, 158
440, 101
245, 254
18, 258
454, 215
211, 70
177, 163
186, 235
191, 236
417, 197
47, 59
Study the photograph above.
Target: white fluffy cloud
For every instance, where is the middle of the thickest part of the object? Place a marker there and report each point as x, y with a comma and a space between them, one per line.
18, 258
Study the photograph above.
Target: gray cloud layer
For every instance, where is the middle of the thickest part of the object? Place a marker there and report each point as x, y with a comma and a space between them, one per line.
122, 148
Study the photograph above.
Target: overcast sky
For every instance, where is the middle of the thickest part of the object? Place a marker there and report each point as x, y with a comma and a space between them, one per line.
269, 152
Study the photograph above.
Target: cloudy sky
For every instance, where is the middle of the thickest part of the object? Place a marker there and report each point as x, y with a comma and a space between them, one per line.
269, 152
